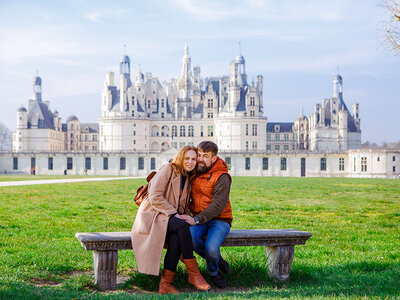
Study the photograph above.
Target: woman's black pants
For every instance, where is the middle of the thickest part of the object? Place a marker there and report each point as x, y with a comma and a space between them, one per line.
179, 242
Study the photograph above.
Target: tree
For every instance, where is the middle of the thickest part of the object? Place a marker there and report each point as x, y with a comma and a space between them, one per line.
392, 26
5, 138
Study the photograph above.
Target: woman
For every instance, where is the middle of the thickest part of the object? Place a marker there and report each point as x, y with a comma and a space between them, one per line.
158, 222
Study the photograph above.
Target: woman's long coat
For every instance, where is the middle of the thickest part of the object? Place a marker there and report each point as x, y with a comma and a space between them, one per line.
150, 227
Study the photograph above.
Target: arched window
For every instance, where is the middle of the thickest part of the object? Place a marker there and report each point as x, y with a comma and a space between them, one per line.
190, 130
182, 130
174, 131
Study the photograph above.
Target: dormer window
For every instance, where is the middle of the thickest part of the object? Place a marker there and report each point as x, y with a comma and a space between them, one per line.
277, 128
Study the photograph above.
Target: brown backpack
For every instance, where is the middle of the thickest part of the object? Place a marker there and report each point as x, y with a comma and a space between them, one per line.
142, 192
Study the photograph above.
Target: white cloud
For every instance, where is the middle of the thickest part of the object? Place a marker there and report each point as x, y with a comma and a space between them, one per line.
105, 15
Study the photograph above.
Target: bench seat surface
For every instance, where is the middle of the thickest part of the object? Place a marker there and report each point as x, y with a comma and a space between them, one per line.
103, 241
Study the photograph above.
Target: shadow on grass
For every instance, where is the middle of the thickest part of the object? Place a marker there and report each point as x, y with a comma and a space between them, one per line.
370, 279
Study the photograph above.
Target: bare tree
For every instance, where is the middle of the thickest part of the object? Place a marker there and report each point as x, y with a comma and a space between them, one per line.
392, 25
5, 138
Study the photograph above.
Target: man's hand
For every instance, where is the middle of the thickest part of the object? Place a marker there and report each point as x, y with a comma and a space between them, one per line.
188, 219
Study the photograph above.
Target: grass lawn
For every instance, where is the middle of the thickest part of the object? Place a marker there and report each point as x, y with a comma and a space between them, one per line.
354, 251
45, 177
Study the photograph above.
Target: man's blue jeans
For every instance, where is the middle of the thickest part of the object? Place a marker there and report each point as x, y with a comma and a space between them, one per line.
216, 232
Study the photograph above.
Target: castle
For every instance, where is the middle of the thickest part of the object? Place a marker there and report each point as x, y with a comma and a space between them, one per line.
146, 115
143, 123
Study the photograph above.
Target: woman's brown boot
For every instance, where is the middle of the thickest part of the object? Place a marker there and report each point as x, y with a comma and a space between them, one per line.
195, 276
166, 287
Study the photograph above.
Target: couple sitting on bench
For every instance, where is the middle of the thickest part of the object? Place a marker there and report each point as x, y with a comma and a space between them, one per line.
168, 216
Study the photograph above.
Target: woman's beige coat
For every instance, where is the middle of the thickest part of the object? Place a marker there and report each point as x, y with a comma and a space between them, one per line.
150, 226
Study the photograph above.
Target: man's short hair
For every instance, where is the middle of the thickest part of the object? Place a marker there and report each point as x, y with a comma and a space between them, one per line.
208, 146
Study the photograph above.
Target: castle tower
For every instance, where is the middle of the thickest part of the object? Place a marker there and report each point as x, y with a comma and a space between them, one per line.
22, 118
183, 107
37, 88
337, 86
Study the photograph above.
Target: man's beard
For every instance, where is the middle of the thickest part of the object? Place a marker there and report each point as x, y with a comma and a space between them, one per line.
201, 169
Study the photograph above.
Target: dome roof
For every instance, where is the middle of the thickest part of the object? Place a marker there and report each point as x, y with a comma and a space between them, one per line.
37, 80
240, 59
21, 109
337, 78
72, 118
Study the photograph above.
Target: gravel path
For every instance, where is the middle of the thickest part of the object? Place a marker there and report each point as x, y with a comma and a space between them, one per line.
51, 181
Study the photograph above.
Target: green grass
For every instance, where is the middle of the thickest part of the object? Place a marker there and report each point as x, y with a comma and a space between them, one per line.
45, 177
353, 253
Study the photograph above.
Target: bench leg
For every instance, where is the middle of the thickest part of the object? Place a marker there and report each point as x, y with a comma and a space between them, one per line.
105, 269
279, 261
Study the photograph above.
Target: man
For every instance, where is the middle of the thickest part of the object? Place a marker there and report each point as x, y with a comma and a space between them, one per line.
211, 209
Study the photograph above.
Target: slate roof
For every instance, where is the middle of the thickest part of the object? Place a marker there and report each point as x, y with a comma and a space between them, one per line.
284, 126
242, 102
93, 127
45, 115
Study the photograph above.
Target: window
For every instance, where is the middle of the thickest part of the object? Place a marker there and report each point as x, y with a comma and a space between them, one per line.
394, 158
363, 164
268, 137
254, 129
86, 137
228, 162
254, 145
174, 145
15, 163
247, 163
210, 131
152, 163
355, 164
252, 101
277, 147
88, 163
210, 103
50, 163
141, 163
285, 147
394, 169
247, 146
283, 163
134, 132
182, 130
69, 163
174, 130
323, 164
94, 138
105, 163
201, 131
286, 137
277, 137
247, 129
162, 115
252, 113
190, 130
268, 147
148, 104
341, 164
378, 158
162, 105
122, 163
210, 115
265, 163
181, 144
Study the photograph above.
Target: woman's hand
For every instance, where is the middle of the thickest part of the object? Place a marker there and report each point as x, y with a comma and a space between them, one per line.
188, 219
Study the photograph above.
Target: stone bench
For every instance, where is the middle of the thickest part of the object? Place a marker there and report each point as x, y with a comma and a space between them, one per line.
278, 243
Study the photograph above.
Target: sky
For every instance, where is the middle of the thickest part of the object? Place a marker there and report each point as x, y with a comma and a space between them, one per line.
297, 46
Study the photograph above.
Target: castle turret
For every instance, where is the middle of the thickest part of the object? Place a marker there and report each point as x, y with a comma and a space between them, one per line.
22, 118
337, 86
37, 88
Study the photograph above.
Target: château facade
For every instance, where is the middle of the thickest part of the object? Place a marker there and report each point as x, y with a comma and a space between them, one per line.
143, 122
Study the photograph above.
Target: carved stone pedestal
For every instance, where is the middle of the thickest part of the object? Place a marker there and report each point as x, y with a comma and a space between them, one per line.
105, 269
280, 260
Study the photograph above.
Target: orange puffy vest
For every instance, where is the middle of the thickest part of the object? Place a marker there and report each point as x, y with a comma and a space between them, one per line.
203, 186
